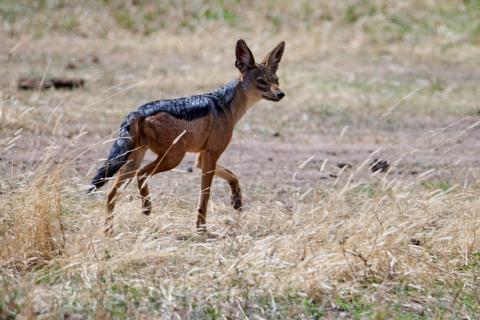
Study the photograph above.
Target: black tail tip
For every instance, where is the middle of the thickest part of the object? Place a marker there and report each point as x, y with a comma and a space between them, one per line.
96, 184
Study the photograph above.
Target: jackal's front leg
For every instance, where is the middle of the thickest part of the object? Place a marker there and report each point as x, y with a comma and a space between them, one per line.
208, 170
231, 178
236, 197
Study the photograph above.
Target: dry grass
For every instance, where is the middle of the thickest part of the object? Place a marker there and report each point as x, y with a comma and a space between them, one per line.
364, 79
371, 249
33, 233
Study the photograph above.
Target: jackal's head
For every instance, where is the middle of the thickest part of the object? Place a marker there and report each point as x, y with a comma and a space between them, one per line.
259, 79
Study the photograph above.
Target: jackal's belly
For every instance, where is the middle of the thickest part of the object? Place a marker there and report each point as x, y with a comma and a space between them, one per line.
163, 129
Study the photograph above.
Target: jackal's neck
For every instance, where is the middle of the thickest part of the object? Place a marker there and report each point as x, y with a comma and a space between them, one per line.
241, 102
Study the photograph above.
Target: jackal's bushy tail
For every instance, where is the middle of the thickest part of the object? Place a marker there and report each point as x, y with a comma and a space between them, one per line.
121, 149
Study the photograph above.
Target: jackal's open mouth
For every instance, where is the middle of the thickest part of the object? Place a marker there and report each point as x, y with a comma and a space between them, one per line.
268, 98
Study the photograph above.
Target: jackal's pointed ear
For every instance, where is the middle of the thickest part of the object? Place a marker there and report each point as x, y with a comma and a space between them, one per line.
274, 57
244, 57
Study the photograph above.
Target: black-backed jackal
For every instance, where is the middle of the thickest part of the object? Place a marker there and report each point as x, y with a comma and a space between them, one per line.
202, 124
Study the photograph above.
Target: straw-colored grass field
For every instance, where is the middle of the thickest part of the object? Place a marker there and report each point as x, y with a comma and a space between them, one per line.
321, 235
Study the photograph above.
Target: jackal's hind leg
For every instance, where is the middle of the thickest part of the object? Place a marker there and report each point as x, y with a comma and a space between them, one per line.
126, 173
144, 194
123, 176
161, 164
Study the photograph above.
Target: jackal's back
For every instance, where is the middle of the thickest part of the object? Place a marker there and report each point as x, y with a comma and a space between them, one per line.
190, 108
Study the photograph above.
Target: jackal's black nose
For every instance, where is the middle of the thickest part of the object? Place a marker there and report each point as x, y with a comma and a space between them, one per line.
280, 95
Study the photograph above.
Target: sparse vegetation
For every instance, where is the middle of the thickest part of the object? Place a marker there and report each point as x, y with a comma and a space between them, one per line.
321, 236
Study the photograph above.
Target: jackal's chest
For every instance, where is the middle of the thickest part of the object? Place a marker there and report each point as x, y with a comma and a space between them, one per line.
219, 137
208, 133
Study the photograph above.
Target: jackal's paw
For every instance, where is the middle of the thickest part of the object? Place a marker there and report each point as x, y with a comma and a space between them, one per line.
147, 211
236, 199
237, 202
108, 231
201, 229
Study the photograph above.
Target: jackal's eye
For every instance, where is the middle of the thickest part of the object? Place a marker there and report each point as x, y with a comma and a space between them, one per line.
262, 82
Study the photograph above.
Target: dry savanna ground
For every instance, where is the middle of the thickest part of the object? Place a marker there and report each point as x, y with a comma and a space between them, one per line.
321, 235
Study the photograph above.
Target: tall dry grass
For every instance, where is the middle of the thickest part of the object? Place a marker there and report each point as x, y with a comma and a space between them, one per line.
32, 229
378, 247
